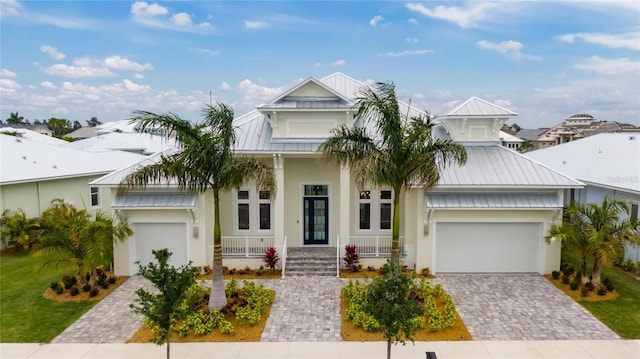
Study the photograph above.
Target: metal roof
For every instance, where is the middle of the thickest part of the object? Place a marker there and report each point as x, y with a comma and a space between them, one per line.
497, 200
492, 165
606, 159
131, 200
477, 107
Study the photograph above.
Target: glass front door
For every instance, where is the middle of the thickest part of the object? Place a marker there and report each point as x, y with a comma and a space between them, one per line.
316, 220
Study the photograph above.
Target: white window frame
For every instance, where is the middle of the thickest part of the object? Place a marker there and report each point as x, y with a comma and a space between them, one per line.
375, 216
98, 196
254, 202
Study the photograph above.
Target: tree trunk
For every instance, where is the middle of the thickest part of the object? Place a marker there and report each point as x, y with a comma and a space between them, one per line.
217, 297
584, 278
388, 349
597, 269
395, 238
169, 346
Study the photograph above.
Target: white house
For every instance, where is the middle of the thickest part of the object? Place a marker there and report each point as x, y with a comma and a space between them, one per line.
510, 141
609, 165
487, 216
141, 143
33, 173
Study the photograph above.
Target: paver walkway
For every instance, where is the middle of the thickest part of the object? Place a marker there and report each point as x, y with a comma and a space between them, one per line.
520, 307
493, 307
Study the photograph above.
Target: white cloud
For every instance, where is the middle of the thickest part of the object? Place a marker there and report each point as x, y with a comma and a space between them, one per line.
143, 9
134, 87
413, 21
630, 40
138, 76
503, 103
405, 53
511, 49
224, 86
465, 17
119, 63
60, 110
48, 85
255, 93
411, 39
340, 62
181, 19
52, 52
375, 20
77, 71
255, 24
206, 51
8, 85
9, 8
7, 73
317, 65
604, 66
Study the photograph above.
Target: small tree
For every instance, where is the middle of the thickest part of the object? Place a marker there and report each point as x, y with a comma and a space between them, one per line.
391, 304
271, 257
17, 230
351, 257
163, 310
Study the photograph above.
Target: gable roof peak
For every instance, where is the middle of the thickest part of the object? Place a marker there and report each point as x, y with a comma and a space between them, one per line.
477, 107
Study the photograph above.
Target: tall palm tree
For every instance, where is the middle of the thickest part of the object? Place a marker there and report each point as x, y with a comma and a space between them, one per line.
15, 118
205, 164
71, 236
596, 230
399, 153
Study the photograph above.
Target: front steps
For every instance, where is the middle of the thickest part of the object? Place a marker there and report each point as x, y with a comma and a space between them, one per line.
311, 262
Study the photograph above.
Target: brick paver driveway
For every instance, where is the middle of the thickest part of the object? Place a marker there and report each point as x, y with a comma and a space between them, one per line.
519, 307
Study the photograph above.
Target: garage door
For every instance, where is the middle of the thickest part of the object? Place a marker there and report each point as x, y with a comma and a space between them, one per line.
150, 236
487, 247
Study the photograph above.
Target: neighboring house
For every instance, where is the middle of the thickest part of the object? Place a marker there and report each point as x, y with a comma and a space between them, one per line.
510, 141
32, 174
31, 135
41, 129
487, 216
82, 133
141, 143
609, 165
573, 128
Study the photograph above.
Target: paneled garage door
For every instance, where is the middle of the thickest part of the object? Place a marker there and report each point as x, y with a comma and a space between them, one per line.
150, 236
464, 247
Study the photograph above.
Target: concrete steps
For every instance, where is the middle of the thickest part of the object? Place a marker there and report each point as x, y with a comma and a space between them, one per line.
311, 262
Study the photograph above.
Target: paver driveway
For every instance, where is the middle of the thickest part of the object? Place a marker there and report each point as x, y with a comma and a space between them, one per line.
519, 307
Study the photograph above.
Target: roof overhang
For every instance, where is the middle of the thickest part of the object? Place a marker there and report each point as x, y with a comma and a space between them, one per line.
154, 200
549, 200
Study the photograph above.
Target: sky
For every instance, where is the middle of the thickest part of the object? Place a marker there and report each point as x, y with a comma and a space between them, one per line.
545, 60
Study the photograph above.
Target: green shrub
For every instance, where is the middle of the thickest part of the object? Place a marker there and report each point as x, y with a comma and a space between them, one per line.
602, 290
112, 280
608, 284
54, 285
574, 285
59, 290
73, 291
93, 292
86, 287
555, 274
584, 291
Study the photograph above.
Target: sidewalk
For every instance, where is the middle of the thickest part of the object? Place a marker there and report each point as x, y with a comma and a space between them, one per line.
551, 349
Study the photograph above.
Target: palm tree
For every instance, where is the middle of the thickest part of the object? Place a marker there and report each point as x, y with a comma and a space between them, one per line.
400, 153
15, 118
71, 236
205, 164
597, 230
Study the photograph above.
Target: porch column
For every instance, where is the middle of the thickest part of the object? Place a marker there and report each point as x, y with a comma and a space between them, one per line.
278, 202
345, 208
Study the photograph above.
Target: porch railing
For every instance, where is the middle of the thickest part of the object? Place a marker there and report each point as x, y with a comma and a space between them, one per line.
245, 246
375, 246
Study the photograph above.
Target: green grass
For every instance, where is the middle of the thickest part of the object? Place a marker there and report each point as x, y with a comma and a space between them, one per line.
622, 315
26, 316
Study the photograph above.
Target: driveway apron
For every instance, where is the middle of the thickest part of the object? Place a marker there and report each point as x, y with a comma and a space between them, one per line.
519, 307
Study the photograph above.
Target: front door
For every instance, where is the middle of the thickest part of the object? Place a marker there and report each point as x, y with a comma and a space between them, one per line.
316, 219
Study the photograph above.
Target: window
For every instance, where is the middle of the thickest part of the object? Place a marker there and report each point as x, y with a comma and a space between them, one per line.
243, 210
375, 210
253, 211
634, 211
95, 196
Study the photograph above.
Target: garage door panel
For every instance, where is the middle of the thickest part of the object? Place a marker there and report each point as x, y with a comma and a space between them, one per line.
487, 247
153, 236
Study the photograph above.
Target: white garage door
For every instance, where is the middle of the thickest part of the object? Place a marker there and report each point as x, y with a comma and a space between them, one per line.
487, 247
150, 236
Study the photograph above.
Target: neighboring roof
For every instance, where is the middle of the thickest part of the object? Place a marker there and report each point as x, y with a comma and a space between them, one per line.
142, 200
488, 201
83, 132
493, 166
22, 160
142, 143
33, 136
606, 159
114, 178
477, 107
507, 137
531, 134
116, 126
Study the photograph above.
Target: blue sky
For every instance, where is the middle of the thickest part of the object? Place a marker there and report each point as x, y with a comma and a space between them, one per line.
544, 60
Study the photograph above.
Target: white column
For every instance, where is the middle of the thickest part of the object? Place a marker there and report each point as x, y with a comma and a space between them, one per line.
345, 201
278, 201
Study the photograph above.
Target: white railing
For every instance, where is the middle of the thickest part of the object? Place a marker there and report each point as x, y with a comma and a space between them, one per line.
338, 256
284, 255
247, 246
374, 246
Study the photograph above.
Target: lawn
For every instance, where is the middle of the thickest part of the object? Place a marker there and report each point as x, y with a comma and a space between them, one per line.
622, 315
26, 316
